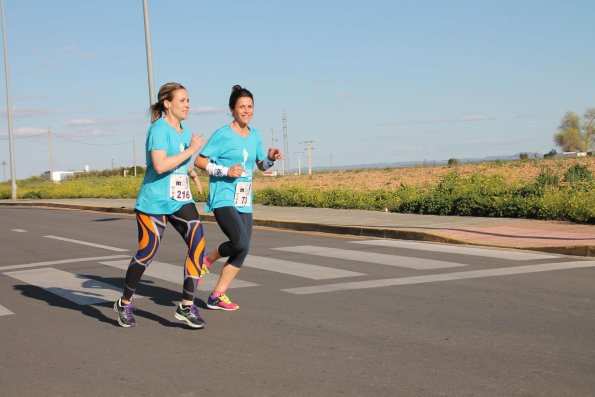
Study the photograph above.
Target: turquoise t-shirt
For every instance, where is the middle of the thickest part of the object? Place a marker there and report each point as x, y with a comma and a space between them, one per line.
154, 196
227, 148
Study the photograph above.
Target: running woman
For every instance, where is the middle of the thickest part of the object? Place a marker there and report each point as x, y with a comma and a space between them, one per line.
164, 197
229, 157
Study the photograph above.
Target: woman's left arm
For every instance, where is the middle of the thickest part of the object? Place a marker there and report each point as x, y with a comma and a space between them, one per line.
273, 154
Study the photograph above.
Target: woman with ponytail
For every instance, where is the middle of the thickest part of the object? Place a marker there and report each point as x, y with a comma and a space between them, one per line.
164, 197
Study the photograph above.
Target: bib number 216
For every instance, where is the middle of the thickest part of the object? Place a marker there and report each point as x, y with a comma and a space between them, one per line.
179, 188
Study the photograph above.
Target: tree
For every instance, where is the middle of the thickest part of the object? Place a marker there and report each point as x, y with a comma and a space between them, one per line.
551, 154
589, 128
453, 162
574, 134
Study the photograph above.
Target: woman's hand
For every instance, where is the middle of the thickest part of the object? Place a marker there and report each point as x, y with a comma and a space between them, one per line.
275, 154
192, 173
196, 143
236, 171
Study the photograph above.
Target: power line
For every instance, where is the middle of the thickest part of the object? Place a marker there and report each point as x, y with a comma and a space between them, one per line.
69, 139
92, 144
24, 137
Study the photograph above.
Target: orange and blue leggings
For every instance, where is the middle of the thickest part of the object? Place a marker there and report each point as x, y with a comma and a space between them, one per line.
150, 232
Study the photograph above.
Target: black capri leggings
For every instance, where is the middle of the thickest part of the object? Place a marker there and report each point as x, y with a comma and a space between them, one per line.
237, 226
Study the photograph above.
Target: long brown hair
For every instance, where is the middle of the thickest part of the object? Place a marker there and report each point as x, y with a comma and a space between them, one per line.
166, 93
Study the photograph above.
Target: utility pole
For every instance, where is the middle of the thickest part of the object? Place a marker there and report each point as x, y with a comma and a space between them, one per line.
285, 145
134, 156
50, 154
309, 149
152, 98
299, 156
331, 167
9, 110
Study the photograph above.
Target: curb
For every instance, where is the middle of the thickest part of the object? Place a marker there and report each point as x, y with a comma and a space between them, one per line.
402, 234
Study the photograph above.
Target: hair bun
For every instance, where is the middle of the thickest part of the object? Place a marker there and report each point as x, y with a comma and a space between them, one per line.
236, 88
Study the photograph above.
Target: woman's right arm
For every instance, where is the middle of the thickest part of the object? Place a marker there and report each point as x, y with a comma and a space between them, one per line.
217, 170
201, 162
164, 163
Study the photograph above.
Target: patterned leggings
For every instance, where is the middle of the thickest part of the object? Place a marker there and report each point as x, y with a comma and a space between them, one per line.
150, 231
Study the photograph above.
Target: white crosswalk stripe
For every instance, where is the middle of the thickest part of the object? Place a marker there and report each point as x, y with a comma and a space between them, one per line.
432, 278
107, 247
461, 250
371, 257
297, 269
59, 262
76, 288
175, 274
4, 311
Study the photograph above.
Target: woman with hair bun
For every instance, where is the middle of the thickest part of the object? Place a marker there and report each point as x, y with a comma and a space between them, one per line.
229, 158
164, 197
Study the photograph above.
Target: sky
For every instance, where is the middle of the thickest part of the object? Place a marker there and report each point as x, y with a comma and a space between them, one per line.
376, 81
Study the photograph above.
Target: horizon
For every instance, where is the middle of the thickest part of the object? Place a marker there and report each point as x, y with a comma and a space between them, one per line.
367, 82
345, 167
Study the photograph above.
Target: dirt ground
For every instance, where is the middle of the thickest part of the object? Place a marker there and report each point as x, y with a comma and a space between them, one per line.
393, 178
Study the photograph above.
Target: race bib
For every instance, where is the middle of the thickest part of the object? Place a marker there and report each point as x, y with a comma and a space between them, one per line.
179, 187
242, 198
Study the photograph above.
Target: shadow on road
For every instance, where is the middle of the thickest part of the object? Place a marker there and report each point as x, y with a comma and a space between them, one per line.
160, 296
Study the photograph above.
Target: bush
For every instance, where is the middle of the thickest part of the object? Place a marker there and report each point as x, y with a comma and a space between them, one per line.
578, 173
547, 178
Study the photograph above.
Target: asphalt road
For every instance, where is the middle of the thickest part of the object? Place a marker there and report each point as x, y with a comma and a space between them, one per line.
321, 315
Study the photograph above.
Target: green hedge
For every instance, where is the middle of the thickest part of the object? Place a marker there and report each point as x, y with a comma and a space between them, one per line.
545, 197
114, 187
489, 196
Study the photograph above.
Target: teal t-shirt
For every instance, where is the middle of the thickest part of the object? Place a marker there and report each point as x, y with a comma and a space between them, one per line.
227, 148
154, 196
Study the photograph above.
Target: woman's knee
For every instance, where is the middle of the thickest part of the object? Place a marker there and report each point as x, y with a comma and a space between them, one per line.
240, 247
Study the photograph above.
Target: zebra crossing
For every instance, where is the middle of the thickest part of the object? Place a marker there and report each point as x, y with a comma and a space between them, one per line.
371, 257
74, 287
84, 290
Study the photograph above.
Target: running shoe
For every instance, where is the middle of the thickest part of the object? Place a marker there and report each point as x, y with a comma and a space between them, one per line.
206, 266
190, 315
125, 316
221, 302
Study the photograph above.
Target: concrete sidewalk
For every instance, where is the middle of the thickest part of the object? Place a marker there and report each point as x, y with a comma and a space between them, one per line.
550, 236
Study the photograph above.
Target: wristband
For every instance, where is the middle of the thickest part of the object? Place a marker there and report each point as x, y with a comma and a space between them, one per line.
267, 163
216, 170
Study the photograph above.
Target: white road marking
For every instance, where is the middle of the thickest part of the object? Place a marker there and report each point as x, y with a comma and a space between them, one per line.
76, 288
298, 269
371, 257
175, 274
107, 247
459, 249
59, 262
18, 230
440, 277
4, 311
